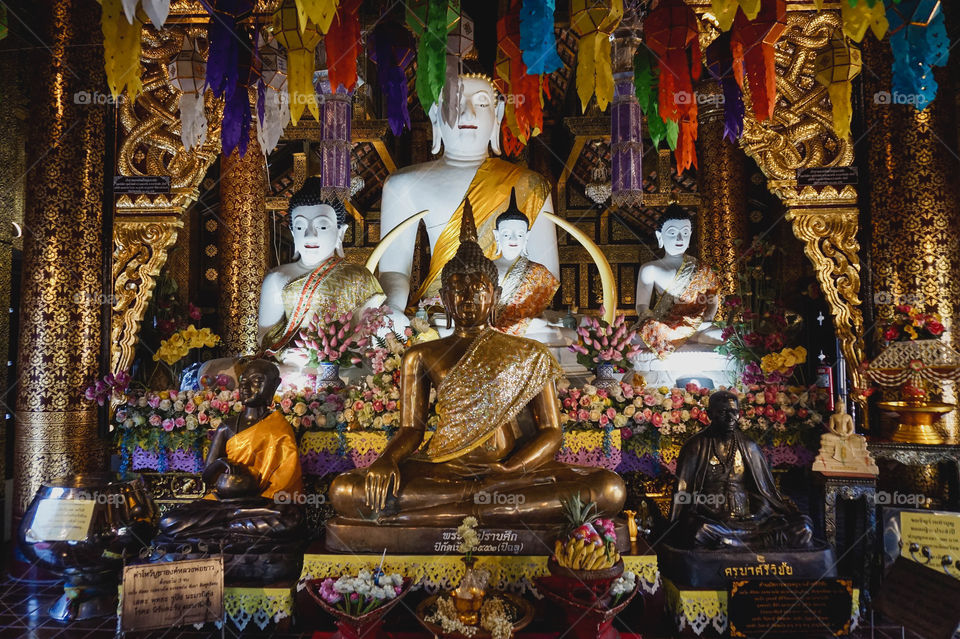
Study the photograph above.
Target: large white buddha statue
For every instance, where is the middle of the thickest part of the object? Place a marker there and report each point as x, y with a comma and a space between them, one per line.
318, 281
677, 324
441, 187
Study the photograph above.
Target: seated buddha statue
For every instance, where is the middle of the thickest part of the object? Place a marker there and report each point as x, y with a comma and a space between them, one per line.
498, 429
687, 291
463, 171
319, 280
726, 497
527, 287
253, 471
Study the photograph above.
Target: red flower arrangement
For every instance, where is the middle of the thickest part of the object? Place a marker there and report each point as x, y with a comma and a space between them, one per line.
909, 323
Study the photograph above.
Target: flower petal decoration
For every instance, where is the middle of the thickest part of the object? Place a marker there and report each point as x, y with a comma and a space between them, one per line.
391, 47
594, 21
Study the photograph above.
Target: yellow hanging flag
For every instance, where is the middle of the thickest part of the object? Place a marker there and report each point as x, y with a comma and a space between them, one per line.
594, 21
726, 10
300, 48
834, 68
121, 50
858, 18
320, 12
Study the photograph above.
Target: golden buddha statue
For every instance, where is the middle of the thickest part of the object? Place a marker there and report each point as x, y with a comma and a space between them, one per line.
498, 430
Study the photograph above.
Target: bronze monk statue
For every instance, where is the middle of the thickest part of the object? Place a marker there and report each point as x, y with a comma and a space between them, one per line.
498, 427
726, 497
253, 467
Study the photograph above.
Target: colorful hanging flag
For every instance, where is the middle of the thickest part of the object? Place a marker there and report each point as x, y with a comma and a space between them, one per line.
538, 40
300, 46
671, 31
431, 21
187, 72
720, 64
918, 38
391, 47
859, 15
121, 49
273, 103
834, 69
753, 44
523, 112
646, 86
319, 12
726, 10
343, 46
594, 21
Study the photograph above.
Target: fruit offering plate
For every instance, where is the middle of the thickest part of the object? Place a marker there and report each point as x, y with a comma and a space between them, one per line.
517, 608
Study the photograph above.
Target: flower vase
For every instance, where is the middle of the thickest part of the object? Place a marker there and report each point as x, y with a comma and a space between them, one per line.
366, 626
468, 596
607, 378
589, 614
328, 376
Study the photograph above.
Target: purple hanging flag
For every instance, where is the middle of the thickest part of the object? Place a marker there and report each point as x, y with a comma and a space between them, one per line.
391, 47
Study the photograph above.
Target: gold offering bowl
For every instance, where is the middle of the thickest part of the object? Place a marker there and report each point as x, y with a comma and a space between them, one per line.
917, 420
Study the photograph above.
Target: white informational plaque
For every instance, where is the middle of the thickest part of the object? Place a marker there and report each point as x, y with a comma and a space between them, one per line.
176, 593
62, 520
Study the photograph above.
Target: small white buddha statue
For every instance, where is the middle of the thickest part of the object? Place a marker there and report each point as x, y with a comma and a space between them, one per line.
527, 287
686, 291
465, 170
843, 452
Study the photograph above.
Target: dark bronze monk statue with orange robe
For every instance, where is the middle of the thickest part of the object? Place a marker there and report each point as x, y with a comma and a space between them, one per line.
498, 427
253, 468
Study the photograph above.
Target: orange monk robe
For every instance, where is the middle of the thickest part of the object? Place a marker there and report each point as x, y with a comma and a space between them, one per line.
526, 292
268, 449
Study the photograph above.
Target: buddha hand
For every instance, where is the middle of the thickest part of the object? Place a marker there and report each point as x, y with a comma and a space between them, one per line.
380, 474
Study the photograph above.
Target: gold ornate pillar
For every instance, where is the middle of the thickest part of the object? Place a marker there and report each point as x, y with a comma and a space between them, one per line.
60, 327
914, 200
721, 224
242, 246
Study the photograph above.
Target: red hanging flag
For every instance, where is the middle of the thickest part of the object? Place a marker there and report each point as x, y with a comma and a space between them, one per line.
342, 42
753, 43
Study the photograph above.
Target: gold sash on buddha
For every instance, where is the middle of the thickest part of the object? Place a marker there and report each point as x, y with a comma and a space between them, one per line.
525, 292
489, 195
268, 449
678, 313
497, 376
334, 283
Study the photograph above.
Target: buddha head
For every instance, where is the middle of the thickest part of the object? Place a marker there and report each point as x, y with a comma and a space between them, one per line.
478, 119
258, 383
675, 231
510, 234
723, 411
317, 223
468, 282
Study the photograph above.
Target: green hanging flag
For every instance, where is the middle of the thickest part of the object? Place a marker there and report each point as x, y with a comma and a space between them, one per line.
3, 21
646, 83
431, 21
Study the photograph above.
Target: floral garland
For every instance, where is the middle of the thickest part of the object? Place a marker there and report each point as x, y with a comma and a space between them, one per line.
657, 421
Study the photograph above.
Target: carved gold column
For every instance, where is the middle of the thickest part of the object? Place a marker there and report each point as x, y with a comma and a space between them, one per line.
60, 330
722, 183
914, 200
242, 246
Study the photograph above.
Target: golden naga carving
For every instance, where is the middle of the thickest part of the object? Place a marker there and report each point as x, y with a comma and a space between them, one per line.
800, 135
146, 226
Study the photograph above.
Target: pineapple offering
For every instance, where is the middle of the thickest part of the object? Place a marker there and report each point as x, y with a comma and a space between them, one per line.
588, 542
